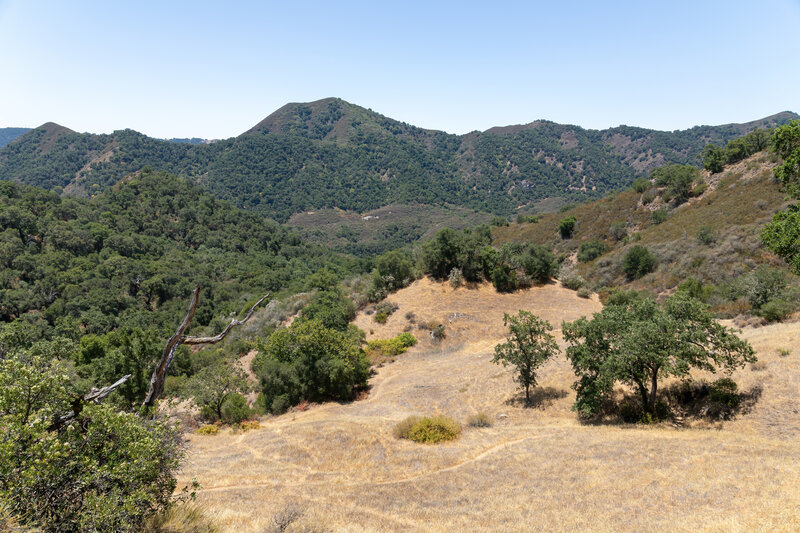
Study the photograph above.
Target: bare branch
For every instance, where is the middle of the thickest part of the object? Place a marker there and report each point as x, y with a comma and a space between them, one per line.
234, 322
160, 373
95, 395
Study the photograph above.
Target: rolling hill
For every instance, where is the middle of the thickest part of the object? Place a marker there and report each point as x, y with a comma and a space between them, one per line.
333, 154
9, 134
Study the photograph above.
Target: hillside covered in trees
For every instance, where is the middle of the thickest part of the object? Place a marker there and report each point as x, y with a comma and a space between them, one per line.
333, 154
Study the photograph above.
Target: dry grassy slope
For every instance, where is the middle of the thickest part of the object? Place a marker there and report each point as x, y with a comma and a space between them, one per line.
535, 469
738, 203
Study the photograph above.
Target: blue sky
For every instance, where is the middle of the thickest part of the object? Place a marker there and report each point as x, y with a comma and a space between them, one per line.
183, 69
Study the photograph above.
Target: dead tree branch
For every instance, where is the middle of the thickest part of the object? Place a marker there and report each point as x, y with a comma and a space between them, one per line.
95, 395
160, 373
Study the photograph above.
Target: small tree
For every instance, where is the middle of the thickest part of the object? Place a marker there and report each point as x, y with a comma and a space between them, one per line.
782, 235
566, 227
640, 341
527, 347
638, 262
213, 385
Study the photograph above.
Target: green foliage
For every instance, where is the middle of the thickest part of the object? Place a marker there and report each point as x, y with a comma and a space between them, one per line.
706, 235
566, 227
777, 309
208, 429
715, 158
393, 271
451, 249
499, 221
694, 288
618, 231
308, 361
591, 250
638, 261
528, 219
677, 180
640, 342
724, 392
528, 345
782, 235
380, 350
105, 471
428, 430
659, 215
504, 278
235, 409
130, 256
212, 386
641, 184
331, 308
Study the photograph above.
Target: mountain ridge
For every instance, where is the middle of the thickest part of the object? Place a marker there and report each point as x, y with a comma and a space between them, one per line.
334, 154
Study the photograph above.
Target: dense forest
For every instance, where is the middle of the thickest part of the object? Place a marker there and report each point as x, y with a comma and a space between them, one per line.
330, 153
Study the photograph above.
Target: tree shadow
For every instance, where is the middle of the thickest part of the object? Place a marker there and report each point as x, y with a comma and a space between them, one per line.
541, 397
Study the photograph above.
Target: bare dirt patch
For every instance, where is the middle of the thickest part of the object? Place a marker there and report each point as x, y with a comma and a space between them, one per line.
534, 469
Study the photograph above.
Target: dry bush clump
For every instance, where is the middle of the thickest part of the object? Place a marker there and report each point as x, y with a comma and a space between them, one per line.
181, 518
479, 420
428, 430
208, 429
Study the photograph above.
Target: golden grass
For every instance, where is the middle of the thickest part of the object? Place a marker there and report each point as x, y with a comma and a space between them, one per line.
536, 468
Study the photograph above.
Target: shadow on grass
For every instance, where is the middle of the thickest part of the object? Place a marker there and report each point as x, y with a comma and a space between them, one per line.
541, 397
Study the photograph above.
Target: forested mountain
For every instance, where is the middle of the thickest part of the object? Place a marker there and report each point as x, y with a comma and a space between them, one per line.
331, 153
9, 134
131, 255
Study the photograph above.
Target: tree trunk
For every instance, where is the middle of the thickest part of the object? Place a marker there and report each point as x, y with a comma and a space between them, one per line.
527, 394
643, 395
653, 390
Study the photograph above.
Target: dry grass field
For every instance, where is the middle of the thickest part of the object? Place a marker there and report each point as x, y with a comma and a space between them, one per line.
536, 468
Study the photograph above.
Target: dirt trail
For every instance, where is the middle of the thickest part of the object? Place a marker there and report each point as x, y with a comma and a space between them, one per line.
341, 464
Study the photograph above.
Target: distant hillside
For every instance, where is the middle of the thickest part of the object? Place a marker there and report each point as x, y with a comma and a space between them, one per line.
9, 134
714, 238
333, 154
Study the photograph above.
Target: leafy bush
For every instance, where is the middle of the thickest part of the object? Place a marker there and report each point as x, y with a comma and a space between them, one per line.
308, 361
583, 292
695, 288
249, 425
499, 221
527, 219
618, 231
105, 471
573, 282
724, 392
381, 350
638, 261
641, 184
428, 430
777, 310
407, 339
591, 250
479, 420
677, 181
566, 227
706, 235
659, 215
539, 263
208, 429
504, 278
381, 317
648, 197
235, 409
437, 332
332, 308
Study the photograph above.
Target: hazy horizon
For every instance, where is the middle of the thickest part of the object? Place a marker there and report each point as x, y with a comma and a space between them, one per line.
196, 69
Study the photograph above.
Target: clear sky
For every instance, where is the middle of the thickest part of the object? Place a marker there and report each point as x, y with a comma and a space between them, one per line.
214, 69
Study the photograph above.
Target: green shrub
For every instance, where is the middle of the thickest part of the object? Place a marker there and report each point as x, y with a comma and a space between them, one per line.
539, 263
783, 352
332, 308
573, 282
235, 409
648, 197
527, 219
479, 420
618, 231
456, 278
583, 292
310, 362
499, 221
504, 278
437, 332
383, 350
641, 184
638, 262
381, 317
407, 339
591, 250
566, 227
695, 288
724, 392
428, 430
659, 215
777, 309
706, 235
